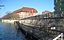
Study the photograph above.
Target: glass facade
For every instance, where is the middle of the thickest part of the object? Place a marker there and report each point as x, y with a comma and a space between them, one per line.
56, 0
59, 7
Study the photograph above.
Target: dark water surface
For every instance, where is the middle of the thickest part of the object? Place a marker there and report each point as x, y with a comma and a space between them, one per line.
8, 32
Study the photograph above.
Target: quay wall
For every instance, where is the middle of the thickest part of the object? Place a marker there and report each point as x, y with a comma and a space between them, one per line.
8, 21
25, 22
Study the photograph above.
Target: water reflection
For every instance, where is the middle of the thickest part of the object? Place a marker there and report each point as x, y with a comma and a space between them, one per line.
8, 32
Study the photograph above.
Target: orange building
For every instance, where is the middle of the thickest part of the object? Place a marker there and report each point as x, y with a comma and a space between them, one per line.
26, 12
47, 14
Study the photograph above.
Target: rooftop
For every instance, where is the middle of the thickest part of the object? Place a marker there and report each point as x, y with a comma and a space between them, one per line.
26, 9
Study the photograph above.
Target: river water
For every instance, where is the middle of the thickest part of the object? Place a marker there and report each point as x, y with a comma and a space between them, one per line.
8, 32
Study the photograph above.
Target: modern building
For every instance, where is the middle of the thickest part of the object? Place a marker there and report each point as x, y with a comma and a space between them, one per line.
59, 8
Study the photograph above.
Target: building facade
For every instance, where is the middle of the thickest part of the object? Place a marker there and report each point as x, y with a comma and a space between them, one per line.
47, 14
26, 12
59, 8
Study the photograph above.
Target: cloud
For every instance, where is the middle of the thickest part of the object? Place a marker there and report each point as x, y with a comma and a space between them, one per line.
52, 10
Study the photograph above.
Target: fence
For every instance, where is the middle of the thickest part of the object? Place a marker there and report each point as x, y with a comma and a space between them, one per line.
61, 35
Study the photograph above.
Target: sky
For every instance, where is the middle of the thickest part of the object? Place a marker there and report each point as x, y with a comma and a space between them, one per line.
39, 5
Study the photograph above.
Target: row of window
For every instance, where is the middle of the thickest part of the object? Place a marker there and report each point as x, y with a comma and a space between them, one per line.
58, 1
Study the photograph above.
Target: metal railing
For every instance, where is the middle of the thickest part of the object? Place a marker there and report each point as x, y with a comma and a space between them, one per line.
61, 35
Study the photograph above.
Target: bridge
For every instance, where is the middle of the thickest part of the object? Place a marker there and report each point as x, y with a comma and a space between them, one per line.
41, 28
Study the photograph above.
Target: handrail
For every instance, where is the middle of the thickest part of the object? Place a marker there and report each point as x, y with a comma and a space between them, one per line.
61, 35
44, 18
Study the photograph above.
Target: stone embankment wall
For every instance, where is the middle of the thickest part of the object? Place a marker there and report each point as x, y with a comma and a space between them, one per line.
8, 21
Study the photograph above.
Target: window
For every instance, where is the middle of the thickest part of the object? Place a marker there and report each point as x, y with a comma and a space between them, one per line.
56, 0
60, 3
60, 8
63, 3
